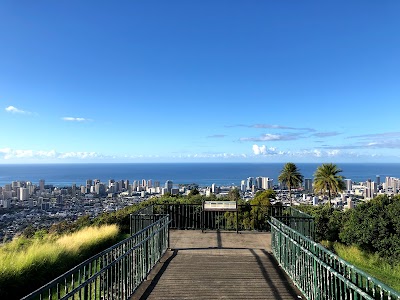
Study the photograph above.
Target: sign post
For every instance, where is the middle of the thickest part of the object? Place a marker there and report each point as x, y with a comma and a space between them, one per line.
220, 206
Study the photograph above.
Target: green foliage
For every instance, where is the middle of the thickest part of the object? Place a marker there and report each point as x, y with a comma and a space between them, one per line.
327, 181
263, 197
327, 221
26, 264
260, 208
374, 226
373, 264
291, 177
234, 194
193, 192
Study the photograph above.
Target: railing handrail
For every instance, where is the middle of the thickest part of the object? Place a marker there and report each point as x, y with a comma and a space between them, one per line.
115, 261
305, 215
94, 257
341, 277
277, 224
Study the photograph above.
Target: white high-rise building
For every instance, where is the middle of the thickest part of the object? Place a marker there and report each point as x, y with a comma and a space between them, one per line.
23, 194
243, 185
214, 188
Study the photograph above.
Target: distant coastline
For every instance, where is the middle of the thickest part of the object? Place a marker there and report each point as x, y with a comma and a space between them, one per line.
203, 174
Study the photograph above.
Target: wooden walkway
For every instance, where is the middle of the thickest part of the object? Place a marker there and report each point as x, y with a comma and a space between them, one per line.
218, 265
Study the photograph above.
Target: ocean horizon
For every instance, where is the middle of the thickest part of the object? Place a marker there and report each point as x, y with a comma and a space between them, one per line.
203, 174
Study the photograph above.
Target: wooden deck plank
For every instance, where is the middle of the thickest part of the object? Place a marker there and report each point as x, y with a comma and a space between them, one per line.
218, 265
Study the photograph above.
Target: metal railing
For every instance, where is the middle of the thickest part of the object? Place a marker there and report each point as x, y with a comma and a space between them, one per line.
192, 216
248, 217
319, 273
114, 273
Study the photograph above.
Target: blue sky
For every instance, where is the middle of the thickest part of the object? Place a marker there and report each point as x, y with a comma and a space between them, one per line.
213, 81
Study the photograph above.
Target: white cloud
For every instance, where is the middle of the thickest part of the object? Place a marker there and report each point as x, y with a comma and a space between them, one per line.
259, 150
333, 152
79, 155
27, 154
14, 110
74, 119
274, 137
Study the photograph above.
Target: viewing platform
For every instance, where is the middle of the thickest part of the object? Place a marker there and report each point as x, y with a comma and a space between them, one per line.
218, 265
180, 251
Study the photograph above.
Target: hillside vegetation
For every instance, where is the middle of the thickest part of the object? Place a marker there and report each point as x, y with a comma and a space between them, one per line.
28, 263
367, 236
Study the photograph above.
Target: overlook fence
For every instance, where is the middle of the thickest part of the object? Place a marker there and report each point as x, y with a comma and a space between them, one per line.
114, 273
247, 217
317, 272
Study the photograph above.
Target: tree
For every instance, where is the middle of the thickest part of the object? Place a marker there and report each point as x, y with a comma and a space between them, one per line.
291, 177
193, 192
260, 208
234, 194
327, 180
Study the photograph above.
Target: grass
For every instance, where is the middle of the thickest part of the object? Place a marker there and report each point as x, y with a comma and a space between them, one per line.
26, 264
371, 264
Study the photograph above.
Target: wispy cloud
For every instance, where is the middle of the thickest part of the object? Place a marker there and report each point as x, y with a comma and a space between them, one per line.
272, 126
14, 110
386, 140
273, 137
216, 136
384, 135
262, 150
325, 134
75, 119
16, 154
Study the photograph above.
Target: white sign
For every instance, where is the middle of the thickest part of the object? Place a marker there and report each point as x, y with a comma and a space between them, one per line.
220, 205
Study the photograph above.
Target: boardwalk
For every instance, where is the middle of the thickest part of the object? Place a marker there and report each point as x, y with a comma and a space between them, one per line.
215, 265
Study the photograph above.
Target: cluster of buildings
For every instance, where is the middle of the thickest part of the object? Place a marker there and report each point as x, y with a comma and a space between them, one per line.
23, 203
354, 192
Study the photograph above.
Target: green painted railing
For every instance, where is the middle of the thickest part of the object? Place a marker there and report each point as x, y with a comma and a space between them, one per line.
319, 273
114, 273
249, 217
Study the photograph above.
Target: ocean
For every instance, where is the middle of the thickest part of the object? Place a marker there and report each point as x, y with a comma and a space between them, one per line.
203, 174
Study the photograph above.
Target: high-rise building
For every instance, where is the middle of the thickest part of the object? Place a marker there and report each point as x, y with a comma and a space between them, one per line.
135, 185
308, 188
23, 194
89, 183
110, 182
73, 190
349, 185
149, 183
41, 185
378, 180
258, 182
250, 182
144, 183
83, 189
214, 188
370, 189
168, 185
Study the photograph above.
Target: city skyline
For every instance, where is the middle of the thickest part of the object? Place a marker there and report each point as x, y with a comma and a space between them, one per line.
209, 81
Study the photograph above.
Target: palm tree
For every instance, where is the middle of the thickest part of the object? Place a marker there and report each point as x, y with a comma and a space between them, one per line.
291, 177
327, 180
